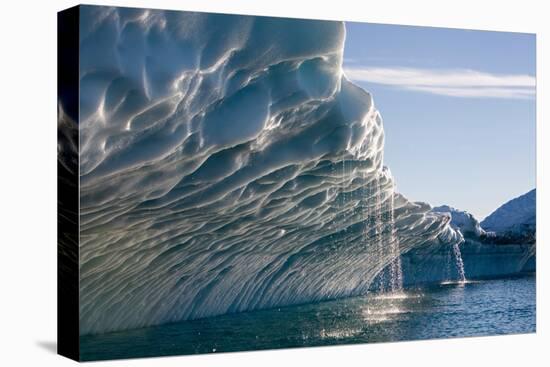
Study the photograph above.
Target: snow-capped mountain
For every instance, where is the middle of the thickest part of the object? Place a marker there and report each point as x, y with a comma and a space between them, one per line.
516, 216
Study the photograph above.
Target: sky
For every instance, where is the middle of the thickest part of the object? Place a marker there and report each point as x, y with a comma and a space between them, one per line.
458, 108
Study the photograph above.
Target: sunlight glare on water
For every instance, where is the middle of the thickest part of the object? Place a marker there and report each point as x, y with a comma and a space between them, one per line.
439, 311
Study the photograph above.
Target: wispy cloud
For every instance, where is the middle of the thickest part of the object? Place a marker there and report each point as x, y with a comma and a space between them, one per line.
448, 82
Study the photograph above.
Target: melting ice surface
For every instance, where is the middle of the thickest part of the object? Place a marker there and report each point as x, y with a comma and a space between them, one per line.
228, 165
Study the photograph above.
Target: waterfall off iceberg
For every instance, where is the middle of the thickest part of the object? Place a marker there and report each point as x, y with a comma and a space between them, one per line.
227, 164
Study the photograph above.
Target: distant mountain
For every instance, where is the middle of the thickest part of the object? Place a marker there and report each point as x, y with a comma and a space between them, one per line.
516, 216
513, 222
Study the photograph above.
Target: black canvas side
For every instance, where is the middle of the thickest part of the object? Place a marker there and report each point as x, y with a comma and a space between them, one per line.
67, 183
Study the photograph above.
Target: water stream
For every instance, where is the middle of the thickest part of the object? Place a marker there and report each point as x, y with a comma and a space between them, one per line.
458, 262
390, 279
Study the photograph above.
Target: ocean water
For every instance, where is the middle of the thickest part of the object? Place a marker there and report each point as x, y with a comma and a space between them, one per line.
477, 308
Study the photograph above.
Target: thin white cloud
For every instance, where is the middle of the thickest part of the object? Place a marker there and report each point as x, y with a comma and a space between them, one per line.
455, 82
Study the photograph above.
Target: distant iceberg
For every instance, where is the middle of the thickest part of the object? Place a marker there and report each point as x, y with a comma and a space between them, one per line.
226, 164
503, 244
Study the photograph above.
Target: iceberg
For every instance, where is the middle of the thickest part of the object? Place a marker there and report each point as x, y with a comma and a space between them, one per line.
503, 244
226, 164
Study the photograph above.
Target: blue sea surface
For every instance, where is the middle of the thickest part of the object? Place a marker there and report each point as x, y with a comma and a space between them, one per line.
477, 308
